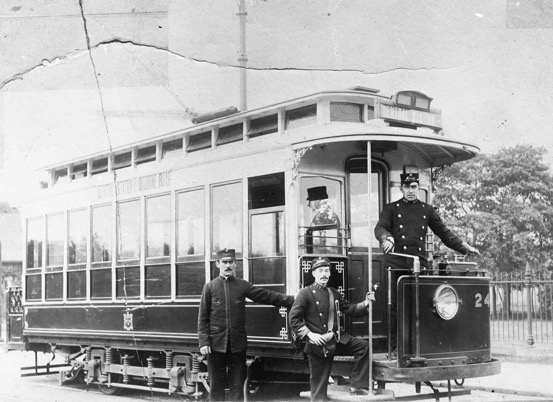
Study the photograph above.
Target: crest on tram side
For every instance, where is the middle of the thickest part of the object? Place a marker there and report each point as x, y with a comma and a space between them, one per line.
127, 321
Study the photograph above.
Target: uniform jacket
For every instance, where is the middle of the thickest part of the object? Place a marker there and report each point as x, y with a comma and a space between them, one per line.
223, 312
407, 222
311, 309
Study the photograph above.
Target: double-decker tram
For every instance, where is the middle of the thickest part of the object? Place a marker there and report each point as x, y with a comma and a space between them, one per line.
119, 245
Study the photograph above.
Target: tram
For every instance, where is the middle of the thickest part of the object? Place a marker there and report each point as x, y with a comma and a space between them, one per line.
119, 245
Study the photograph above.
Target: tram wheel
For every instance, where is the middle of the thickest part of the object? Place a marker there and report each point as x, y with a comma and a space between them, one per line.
107, 390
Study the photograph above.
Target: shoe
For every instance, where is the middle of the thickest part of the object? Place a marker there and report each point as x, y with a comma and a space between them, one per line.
358, 391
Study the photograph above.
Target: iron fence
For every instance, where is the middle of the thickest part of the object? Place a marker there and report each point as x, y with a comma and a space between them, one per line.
521, 306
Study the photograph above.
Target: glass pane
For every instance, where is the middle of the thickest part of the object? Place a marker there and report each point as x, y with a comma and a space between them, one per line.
55, 233
190, 278
100, 281
128, 282
321, 216
101, 233
76, 286
128, 229
266, 191
346, 112
267, 234
158, 226
33, 288
269, 271
227, 217
190, 223
54, 286
76, 246
35, 234
158, 281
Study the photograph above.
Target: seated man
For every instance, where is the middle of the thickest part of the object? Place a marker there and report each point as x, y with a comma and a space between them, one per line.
314, 315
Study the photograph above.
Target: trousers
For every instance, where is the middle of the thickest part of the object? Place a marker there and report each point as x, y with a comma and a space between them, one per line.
226, 369
321, 367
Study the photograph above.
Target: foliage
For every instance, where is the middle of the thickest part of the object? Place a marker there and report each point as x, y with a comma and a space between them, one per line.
502, 204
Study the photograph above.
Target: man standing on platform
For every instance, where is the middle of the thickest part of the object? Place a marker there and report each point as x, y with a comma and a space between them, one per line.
402, 228
314, 316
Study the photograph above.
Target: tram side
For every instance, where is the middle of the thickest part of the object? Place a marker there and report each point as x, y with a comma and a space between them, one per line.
119, 247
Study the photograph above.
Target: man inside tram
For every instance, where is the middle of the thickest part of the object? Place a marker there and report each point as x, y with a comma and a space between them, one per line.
314, 316
402, 228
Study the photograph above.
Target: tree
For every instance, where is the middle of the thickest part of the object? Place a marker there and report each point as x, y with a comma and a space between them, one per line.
502, 203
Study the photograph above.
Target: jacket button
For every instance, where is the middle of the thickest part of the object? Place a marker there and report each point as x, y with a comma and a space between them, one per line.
324, 325
401, 226
317, 302
423, 226
314, 292
420, 249
403, 237
320, 314
399, 215
424, 216
404, 247
421, 238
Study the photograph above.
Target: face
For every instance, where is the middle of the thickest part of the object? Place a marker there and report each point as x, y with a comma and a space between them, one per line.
226, 267
321, 275
410, 191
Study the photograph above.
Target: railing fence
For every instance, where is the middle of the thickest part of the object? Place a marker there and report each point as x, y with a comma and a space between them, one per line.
521, 306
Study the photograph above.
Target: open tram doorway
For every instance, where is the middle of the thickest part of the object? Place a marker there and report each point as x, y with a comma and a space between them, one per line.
363, 209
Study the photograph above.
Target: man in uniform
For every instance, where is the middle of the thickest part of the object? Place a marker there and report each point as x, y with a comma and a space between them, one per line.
402, 228
314, 316
222, 326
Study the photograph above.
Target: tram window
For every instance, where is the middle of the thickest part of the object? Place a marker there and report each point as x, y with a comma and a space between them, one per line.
54, 286
199, 141
342, 111
76, 285
301, 116
158, 281
229, 134
33, 287
79, 171
128, 282
263, 125
76, 244
158, 226
101, 234
190, 223
266, 191
128, 229
100, 283
35, 234
190, 278
361, 226
99, 166
404, 99
55, 234
146, 154
122, 160
61, 176
171, 148
226, 222
321, 216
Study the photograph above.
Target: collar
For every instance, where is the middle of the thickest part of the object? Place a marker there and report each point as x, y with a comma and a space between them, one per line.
320, 287
409, 202
226, 278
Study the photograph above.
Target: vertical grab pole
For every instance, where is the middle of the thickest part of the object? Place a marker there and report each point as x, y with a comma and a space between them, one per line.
369, 265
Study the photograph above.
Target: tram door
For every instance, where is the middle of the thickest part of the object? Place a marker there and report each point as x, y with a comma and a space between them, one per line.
362, 223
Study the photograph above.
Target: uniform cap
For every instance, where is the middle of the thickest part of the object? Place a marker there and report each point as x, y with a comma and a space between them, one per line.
408, 178
226, 254
320, 262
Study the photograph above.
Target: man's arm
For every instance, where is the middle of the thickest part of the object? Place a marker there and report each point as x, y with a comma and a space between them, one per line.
382, 230
265, 296
203, 320
449, 238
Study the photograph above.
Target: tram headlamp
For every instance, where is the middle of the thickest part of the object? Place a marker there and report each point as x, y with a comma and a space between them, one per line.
446, 301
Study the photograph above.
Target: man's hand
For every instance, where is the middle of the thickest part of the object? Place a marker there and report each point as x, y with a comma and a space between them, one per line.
369, 298
205, 350
473, 251
388, 245
317, 339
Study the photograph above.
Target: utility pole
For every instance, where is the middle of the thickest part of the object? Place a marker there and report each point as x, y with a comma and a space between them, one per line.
243, 57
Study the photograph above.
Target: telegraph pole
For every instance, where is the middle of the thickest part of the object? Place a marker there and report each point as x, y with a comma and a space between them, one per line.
243, 57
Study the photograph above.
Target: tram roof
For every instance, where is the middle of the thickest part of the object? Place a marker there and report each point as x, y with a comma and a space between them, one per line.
328, 116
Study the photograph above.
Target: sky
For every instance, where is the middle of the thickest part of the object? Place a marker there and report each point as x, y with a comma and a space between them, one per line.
153, 65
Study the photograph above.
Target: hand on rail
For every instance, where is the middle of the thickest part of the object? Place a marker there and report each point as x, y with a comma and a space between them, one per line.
387, 245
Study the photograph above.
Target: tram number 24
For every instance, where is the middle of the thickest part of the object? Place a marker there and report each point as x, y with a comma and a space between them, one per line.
478, 298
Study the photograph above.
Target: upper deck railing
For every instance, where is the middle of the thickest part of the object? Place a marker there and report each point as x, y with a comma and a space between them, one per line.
406, 109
